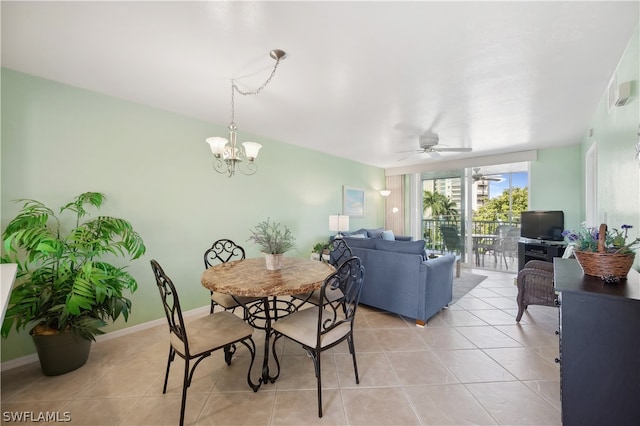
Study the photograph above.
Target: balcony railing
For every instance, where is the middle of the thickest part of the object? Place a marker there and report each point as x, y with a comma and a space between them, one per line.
433, 237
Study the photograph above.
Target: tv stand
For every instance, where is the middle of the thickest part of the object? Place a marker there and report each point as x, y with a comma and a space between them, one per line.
538, 250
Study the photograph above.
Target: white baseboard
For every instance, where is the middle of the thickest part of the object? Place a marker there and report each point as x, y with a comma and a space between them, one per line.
28, 359
19, 362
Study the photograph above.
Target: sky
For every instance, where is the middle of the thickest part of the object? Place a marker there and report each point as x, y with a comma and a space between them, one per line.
518, 179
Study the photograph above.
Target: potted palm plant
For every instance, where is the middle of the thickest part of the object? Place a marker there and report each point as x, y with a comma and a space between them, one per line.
65, 289
274, 240
319, 249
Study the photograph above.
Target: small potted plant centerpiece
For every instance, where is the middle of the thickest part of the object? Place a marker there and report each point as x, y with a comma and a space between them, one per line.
65, 289
274, 240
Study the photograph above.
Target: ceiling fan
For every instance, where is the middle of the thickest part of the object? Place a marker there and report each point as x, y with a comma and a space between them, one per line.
429, 144
479, 176
428, 140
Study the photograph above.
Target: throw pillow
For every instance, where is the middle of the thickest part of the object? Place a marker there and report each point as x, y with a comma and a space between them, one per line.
375, 233
388, 235
357, 232
356, 235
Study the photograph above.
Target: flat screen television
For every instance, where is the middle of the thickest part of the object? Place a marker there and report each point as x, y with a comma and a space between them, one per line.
542, 225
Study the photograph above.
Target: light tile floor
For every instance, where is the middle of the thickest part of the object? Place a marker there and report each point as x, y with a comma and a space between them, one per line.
471, 364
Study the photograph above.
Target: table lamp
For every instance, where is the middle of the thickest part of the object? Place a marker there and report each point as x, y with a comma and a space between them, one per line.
338, 223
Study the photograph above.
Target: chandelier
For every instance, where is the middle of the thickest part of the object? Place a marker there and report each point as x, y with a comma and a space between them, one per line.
228, 156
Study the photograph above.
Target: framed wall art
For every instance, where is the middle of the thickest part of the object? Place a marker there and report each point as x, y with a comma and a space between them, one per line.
352, 201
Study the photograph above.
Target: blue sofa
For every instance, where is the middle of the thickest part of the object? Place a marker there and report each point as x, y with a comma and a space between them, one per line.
376, 233
398, 279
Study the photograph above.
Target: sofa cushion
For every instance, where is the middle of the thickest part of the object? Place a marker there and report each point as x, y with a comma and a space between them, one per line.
412, 247
388, 235
366, 243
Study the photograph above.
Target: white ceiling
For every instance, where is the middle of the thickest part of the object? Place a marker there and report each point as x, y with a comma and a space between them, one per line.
494, 76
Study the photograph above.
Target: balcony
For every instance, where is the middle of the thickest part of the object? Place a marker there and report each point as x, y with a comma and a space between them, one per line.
476, 256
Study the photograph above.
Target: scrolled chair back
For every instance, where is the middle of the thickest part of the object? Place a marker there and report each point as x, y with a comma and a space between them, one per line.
339, 252
170, 303
340, 312
223, 251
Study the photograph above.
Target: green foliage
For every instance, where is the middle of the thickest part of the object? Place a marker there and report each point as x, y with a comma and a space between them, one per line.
319, 247
271, 238
440, 204
62, 282
497, 208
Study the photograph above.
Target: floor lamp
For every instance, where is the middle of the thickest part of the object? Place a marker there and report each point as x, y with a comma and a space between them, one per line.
385, 194
394, 211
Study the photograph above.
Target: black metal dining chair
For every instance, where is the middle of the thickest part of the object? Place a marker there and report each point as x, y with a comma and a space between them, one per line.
223, 251
339, 252
198, 339
322, 327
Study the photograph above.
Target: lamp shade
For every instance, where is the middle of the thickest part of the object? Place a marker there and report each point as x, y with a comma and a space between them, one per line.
338, 223
251, 149
217, 144
385, 192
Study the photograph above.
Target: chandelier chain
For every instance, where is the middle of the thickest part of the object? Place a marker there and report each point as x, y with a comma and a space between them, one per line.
235, 88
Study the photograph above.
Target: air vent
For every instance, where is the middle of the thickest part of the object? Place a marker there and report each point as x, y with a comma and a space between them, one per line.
624, 94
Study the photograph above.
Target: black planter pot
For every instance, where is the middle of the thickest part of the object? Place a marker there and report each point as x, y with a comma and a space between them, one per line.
61, 353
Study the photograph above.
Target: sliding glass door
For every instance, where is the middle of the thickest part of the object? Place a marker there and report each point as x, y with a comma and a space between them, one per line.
443, 211
460, 207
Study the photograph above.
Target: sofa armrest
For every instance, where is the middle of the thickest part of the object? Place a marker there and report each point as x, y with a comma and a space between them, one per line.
439, 288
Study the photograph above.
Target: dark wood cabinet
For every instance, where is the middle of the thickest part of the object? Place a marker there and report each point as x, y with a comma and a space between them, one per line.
599, 347
538, 251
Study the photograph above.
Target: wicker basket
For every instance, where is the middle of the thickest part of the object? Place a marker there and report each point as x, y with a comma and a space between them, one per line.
601, 264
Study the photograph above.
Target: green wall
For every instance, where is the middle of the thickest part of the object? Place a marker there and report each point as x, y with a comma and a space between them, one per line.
615, 134
156, 170
558, 177
555, 183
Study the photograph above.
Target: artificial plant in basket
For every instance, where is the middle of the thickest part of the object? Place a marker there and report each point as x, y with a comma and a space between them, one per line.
603, 253
65, 281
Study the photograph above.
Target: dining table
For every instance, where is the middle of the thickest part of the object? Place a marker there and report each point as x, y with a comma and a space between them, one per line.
250, 277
